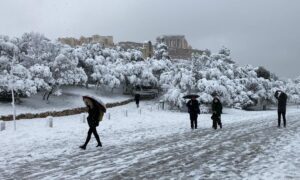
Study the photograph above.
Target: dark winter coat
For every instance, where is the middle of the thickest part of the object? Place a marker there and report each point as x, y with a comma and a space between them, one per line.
137, 98
216, 109
193, 107
93, 117
282, 98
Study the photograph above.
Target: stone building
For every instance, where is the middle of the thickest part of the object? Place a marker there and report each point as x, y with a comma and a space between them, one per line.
174, 41
106, 41
178, 47
130, 45
70, 41
146, 47
147, 50
183, 53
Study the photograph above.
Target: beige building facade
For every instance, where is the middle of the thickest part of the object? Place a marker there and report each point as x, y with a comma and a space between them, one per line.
147, 50
146, 47
106, 41
174, 41
178, 47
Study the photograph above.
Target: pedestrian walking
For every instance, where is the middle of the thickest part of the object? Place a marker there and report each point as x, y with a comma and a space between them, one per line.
281, 111
216, 112
96, 110
137, 100
194, 110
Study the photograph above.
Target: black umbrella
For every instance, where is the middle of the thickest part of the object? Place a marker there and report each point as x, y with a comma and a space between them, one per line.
97, 101
190, 96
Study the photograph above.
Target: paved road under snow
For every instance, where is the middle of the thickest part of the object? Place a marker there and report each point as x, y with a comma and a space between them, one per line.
245, 150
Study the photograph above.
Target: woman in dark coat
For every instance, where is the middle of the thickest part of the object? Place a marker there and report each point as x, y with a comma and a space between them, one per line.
93, 122
217, 111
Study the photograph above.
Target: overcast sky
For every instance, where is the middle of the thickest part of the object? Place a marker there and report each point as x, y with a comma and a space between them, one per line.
258, 32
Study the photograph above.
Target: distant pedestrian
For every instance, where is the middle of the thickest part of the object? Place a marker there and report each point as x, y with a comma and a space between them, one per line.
95, 115
216, 112
137, 98
282, 98
194, 110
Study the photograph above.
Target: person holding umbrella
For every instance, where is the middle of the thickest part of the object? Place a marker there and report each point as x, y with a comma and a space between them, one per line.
96, 110
193, 109
282, 98
217, 111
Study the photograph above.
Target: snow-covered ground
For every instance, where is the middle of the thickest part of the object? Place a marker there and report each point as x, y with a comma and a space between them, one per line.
154, 145
71, 98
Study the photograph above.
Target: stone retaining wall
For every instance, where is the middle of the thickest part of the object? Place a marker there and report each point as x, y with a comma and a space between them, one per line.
66, 112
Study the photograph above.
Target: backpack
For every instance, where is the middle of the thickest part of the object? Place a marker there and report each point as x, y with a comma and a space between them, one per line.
101, 114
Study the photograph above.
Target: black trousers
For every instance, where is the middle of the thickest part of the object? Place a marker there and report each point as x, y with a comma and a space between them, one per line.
281, 113
137, 102
91, 131
216, 122
193, 118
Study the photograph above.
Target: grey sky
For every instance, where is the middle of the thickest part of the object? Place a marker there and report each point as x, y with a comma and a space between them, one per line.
258, 32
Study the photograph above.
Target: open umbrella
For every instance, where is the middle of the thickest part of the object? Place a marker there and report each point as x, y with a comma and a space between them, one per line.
190, 96
97, 101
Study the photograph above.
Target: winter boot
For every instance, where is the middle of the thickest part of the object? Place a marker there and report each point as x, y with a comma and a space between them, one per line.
82, 147
99, 145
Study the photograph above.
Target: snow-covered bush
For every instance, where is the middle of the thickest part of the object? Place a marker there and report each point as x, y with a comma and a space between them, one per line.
161, 51
217, 75
66, 72
263, 72
42, 76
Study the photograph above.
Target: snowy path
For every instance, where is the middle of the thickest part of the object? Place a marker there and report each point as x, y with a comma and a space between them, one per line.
244, 150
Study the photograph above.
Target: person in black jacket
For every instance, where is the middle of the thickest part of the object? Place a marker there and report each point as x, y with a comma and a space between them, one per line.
193, 109
137, 99
217, 111
93, 122
282, 98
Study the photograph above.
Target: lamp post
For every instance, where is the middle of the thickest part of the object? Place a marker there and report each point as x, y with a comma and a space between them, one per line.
12, 93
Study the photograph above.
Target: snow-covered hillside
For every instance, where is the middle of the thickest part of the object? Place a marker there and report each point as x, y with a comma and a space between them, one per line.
154, 145
32, 63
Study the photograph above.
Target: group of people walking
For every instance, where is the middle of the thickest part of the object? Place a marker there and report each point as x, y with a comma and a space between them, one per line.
96, 109
216, 108
194, 110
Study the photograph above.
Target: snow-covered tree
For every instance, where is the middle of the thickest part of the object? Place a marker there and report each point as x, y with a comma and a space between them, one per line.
65, 72
108, 75
42, 77
13, 75
263, 72
43, 65
161, 51
138, 74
